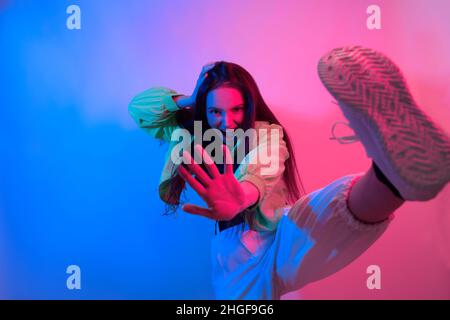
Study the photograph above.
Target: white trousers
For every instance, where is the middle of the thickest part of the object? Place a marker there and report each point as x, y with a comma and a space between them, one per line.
315, 238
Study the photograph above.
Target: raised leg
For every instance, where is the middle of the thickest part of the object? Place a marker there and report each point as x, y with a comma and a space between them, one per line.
372, 201
411, 150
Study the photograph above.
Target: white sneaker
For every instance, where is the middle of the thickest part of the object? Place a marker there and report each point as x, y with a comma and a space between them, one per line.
410, 149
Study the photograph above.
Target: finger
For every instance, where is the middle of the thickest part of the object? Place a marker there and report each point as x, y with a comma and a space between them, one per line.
228, 160
195, 169
191, 181
209, 163
206, 68
209, 66
201, 211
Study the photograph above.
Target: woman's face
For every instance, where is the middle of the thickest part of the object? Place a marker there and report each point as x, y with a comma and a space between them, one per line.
224, 108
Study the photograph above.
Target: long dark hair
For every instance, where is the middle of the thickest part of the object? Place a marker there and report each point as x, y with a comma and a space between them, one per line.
228, 74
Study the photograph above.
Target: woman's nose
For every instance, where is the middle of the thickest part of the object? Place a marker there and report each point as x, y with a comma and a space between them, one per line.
227, 122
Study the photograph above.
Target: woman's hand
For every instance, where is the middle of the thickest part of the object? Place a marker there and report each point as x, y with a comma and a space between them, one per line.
203, 75
222, 193
189, 101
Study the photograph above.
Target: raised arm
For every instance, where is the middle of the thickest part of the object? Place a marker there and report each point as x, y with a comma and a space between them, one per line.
154, 110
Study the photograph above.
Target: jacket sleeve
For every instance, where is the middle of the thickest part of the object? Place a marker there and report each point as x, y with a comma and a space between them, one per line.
154, 111
266, 165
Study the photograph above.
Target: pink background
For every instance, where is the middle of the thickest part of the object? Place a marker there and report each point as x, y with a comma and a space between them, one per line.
125, 47
279, 43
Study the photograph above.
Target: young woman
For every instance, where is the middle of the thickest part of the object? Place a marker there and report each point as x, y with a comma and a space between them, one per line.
272, 238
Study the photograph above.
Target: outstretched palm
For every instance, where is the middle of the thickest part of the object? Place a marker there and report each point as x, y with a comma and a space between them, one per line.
221, 192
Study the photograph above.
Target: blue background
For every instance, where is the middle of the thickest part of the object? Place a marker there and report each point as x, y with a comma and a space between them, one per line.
79, 180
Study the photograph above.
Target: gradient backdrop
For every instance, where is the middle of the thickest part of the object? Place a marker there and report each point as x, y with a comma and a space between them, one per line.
78, 180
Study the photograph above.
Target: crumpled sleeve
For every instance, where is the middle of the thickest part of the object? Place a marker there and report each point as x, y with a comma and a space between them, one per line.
267, 176
260, 173
154, 111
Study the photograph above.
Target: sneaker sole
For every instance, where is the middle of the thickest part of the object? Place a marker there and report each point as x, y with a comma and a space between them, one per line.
410, 149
